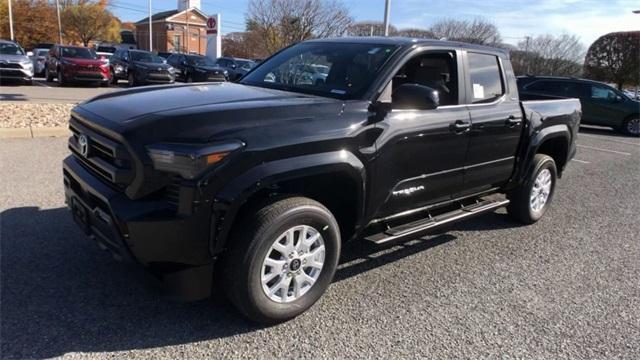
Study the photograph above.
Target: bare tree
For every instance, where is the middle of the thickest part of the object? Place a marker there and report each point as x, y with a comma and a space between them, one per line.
549, 55
615, 57
478, 31
283, 22
244, 44
369, 28
416, 33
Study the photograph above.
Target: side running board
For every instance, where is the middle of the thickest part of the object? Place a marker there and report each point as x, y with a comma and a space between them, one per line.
421, 226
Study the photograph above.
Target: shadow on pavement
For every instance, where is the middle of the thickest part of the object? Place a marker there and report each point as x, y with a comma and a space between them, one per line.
12, 97
61, 294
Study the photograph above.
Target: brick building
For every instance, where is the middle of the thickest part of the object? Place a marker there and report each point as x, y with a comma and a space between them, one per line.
170, 31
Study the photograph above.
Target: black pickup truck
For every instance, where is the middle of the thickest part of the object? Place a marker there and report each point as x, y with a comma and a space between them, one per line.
256, 184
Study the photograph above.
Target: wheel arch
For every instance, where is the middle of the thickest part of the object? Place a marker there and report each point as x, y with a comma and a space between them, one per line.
335, 179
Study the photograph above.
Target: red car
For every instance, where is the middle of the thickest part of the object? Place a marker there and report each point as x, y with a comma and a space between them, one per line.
76, 64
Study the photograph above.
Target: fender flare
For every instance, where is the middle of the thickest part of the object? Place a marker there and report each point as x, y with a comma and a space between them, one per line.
539, 138
232, 196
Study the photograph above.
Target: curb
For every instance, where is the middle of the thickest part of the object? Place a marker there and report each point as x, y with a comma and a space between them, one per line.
28, 133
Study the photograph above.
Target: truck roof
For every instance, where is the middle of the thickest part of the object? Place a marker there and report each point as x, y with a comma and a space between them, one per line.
407, 41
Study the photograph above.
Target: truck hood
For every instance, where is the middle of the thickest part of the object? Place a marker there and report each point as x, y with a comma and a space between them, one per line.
198, 111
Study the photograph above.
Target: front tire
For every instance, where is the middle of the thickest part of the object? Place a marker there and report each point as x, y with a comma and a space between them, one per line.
48, 76
132, 79
282, 260
531, 199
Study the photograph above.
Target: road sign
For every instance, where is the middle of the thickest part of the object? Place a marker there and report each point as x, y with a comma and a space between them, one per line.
212, 26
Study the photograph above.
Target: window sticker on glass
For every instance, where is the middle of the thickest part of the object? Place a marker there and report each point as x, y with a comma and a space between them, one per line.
478, 91
339, 92
373, 51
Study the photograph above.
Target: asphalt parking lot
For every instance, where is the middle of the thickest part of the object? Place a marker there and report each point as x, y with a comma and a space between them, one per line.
49, 92
566, 287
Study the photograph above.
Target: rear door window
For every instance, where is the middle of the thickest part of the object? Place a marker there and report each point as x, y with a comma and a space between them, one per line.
485, 76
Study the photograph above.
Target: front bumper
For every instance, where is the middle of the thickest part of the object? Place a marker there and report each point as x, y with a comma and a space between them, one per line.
173, 248
16, 73
86, 76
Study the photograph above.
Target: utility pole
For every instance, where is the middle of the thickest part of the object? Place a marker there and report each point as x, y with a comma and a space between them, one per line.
59, 22
387, 10
188, 35
150, 29
10, 21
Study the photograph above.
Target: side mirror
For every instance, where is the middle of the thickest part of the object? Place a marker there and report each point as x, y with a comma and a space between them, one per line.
618, 99
415, 97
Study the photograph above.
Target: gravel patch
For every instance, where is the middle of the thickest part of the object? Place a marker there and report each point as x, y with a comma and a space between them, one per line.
33, 115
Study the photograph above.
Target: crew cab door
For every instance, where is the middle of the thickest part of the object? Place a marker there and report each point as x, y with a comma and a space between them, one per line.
421, 153
497, 121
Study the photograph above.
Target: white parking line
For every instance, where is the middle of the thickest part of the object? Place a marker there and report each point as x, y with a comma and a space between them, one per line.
608, 139
581, 161
605, 150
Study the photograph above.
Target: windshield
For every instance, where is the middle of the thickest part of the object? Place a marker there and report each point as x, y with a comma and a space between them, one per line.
78, 53
200, 61
10, 49
145, 57
245, 64
339, 70
42, 52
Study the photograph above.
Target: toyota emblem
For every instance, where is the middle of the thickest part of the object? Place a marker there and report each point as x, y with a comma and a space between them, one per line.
83, 141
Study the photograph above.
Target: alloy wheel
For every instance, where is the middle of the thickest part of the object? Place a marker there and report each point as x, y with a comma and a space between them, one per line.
633, 126
540, 191
293, 264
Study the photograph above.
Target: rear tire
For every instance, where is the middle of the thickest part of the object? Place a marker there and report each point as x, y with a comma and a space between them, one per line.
189, 79
268, 293
631, 126
48, 75
532, 198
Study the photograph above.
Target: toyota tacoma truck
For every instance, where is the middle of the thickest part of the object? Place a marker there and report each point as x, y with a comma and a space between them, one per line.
255, 185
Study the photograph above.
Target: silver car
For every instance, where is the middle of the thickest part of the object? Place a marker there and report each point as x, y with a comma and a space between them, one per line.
14, 62
39, 60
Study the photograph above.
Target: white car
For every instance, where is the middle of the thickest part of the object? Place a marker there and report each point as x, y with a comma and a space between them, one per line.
14, 62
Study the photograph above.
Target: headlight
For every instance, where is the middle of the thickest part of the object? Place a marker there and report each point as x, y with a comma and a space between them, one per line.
171, 69
226, 73
187, 160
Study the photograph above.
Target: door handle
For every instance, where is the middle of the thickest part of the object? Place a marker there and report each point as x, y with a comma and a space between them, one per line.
513, 121
460, 126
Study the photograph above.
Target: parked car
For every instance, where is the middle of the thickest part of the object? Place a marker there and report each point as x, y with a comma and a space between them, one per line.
264, 181
236, 67
14, 63
44, 46
190, 68
76, 64
39, 59
106, 49
140, 67
601, 104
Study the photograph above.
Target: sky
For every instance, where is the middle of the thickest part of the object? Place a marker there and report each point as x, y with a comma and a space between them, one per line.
515, 19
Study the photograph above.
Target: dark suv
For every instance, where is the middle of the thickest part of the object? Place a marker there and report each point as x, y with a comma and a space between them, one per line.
140, 67
190, 68
236, 67
601, 104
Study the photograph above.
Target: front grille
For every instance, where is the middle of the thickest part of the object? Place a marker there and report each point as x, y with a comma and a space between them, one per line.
11, 66
103, 156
